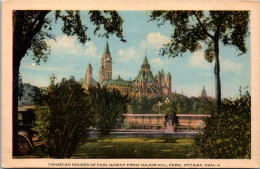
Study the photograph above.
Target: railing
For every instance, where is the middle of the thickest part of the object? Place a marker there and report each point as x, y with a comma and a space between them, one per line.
187, 122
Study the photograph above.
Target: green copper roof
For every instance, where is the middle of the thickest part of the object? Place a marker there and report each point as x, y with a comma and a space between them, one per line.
89, 65
162, 73
107, 49
146, 76
168, 74
117, 83
83, 82
145, 62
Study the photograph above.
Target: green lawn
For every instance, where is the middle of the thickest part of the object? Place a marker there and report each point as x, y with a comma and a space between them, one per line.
138, 147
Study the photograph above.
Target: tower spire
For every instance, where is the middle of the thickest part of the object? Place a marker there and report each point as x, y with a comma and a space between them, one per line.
145, 62
203, 92
106, 66
145, 66
107, 49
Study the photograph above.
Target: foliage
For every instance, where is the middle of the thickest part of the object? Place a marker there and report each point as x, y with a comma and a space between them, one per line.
109, 107
31, 28
193, 28
227, 135
178, 103
170, 110
21, 88
126, 125
143, 105
62, 118
29, 92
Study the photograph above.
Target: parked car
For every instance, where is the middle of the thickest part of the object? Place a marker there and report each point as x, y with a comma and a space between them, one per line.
27, 138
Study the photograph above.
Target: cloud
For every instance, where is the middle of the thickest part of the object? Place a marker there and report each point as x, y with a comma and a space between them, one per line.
129, 55
198, 60
91, 49
158, 62
48, 68
40, 81
231, 66
154, 40
121, 52
65, 45
126, 75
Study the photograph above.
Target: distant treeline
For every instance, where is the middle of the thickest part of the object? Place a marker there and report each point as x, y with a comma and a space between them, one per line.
27, 94
179, 103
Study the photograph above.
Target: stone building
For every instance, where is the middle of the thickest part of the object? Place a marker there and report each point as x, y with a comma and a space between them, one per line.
89, 81
145, 83
106, 66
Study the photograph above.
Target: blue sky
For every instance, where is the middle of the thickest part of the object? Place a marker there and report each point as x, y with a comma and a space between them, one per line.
189, 73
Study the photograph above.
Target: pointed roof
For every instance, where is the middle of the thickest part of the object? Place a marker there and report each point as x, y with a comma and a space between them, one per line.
89, 65
203, 89
145, 76
107, 49
203, 92
145, 62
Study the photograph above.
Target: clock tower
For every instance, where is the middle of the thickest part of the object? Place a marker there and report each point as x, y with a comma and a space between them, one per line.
106, 66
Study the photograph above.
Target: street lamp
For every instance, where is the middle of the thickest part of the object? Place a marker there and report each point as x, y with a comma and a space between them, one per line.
167, 100
159, 105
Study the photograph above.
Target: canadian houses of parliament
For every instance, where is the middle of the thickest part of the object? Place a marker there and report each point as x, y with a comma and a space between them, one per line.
145, 84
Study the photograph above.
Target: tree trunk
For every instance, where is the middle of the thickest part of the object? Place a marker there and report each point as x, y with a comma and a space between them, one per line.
16, 65
217, 76
18, 53
21, 43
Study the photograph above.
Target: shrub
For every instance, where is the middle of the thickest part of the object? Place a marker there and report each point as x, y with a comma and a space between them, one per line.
227, 135
109, 107
62, 117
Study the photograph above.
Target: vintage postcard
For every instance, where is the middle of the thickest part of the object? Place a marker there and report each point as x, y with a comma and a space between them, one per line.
122, 84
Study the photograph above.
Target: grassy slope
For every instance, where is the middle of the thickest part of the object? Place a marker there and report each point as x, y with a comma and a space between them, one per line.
142, 147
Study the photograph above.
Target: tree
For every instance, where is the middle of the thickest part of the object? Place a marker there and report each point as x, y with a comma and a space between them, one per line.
109, 107
146, 105
21, 87
170, 110
227, 134
28, 94
31, 28
62, 118
212, 27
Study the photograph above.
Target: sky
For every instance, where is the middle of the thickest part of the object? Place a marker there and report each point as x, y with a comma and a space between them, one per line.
189, 73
